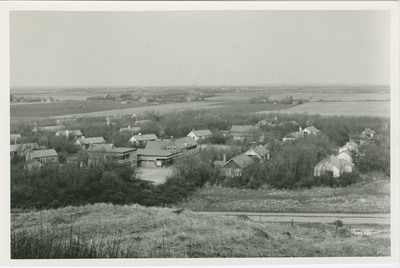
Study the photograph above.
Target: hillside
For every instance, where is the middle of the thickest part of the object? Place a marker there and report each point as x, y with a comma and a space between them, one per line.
108, 231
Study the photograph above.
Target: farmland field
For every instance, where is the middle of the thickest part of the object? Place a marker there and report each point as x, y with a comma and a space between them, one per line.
358, 108
97, 108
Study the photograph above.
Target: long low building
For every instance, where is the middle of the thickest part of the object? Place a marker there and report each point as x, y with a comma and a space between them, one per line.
156, 158
116, 155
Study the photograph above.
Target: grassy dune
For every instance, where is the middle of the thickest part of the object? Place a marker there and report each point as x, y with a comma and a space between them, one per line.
372, 196
107, 231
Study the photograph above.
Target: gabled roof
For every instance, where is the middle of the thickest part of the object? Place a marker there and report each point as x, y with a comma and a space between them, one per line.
202, 133
238, 128
144, 137
242, 160
312, 129
43, 153
345, 152
293, 135
156, 145
91, 140
336, 161
259, 150
182, 143
23, 146
109, 148
353, 144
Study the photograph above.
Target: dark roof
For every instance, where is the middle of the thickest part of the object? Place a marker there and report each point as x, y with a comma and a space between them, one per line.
43, 153
23, 146
109, 148
182, 143
312, 129
242, 160
260, 150
156, 145
91, 140
237, 128
145, 137
202, 133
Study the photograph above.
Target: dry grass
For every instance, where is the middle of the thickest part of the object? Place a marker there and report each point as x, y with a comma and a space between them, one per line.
158, 232
372, 197
156, 175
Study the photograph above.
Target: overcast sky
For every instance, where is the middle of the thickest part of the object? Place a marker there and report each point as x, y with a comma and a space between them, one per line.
199, 47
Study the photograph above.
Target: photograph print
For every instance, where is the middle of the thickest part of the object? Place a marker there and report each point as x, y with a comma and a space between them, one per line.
225, 132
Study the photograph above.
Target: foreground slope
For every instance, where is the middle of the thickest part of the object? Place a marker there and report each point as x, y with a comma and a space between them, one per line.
108, 231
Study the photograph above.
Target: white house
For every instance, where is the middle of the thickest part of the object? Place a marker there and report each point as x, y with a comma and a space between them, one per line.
332, 166
345, 155
261, 152
77, 134
349, 146
310, 130
200, 134
142, 139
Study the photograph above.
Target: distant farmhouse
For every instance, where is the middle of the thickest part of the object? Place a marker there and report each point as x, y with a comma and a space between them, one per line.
77, 134
241, 133
235, 166
332, 166
44, 157
22, 149
116, 155
130, 129
200, 134
301, 133
84, 143
142, 139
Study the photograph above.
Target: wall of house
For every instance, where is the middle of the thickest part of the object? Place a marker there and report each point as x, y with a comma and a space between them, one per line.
320, 169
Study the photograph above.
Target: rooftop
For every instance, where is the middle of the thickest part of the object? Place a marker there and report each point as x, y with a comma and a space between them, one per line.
43, 153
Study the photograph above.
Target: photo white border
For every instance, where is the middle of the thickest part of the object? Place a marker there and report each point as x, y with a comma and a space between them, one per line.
6, 7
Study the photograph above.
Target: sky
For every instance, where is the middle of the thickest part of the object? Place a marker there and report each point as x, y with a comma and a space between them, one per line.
210, 48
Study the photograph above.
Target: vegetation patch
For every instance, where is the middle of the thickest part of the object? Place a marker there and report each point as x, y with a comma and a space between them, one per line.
109, 231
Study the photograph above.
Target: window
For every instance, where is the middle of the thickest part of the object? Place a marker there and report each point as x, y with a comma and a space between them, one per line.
42, 160
174, 148
238, 172
53, 159
329, 173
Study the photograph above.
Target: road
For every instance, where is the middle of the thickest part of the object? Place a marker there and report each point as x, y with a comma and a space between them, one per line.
313, 217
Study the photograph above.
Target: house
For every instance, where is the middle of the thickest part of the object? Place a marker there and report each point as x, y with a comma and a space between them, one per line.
200, 134
269, 122
15, 137
31, 165
47, 156
48, 129
143, 99
292, 136
310, 130
184, 146
100, 153
369, 133
242, 132
155, 158
84, 143
332, 166
345, 155
49, 99
349, 146
130, 129
141, 140
362, 139
260, 151
234, 167
77, 134
21, 149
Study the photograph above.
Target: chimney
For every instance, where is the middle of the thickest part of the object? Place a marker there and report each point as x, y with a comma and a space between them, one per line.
140, 134
15, 141
300, 129
172, 138
162, 138
224, 159
67, 133
129, 127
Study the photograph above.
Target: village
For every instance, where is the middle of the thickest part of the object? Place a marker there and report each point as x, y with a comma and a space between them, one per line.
147, 150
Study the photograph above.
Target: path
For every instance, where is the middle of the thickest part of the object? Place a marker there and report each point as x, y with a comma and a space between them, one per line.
312, 217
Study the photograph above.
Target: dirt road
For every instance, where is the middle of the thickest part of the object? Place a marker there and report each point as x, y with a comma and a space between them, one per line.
312, 217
